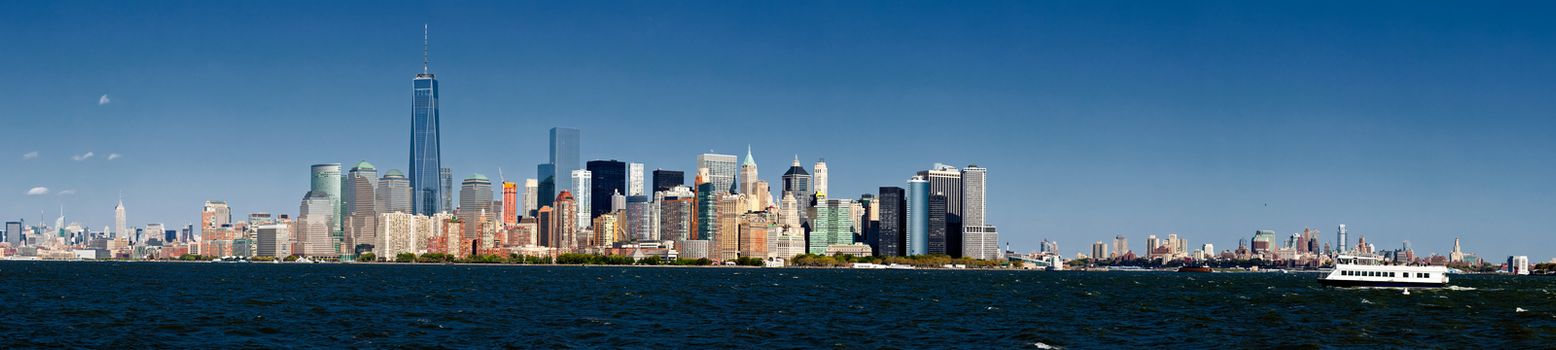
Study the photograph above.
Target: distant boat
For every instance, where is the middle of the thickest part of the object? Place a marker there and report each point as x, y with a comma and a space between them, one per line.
1194, 269
1360, 271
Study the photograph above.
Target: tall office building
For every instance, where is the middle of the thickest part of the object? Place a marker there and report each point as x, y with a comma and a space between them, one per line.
639, 214
120, 225
797, 183
448, 189
1343, 242
974, 178
394, 193
13, 233
584, 200
273, 241
635, 180
831, 226
426, 152
531, 197
510, 203
917, 239
545, 184
607, 178
947, 180
893, 222
1120, 246
721, 170
362, 207
313, 225
820, 179
475, 202
326, 181
564, 159
564, 226
938, 237
708, 193
1098, 251
675, 215
748, 175
213, 216
664, 180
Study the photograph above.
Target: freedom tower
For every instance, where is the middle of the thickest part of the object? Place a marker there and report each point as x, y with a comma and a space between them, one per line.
426, 157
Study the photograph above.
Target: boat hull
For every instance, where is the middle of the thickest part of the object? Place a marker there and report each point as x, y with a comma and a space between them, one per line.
1354, 283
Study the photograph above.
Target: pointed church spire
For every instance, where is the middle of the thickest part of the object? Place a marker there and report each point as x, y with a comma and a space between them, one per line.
749, 160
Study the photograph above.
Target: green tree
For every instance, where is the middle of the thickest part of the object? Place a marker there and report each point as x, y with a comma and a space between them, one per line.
405, 257
367, 257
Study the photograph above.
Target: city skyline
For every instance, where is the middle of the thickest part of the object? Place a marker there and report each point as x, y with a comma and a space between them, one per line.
1445, 180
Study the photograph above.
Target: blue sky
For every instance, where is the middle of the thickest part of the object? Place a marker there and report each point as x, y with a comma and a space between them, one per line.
1419, 121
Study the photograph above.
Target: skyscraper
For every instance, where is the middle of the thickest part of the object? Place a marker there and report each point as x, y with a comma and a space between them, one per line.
947, 180
917, 239
607, 177
893, 226
426, 152
564, 158
545, 184
475, 202
721, 170
938, 237
531, 196
510, 203
564, 226
797, 183
664, 180
314, 217
1341, 247
708, 194
13, 233
448, 189
820, 179
326, 181
362, 207
974, 178
584, 200
394, 193
120, 226
748, 176
832, 223
635, 180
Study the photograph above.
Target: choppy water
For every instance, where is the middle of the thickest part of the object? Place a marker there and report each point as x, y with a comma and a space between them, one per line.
167, 305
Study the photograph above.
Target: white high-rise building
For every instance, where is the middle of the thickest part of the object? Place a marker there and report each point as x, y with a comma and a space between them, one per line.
314, 221
120, 226
974, 179
581, 193
531, 196
405, 233
721, 170
635, 179
1341, 246
820, 177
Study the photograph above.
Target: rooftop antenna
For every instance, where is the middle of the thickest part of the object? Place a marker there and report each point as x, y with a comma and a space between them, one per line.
425, 43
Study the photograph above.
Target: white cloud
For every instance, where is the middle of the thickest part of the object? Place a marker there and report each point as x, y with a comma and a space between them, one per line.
38, 191
67, 192
30, 155
112, 156
81, 157
103, 100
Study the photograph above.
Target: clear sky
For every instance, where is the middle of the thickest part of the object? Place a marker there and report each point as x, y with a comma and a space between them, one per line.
1412, 120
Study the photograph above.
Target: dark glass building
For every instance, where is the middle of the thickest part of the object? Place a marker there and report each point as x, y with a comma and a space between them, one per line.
564, 159
892, 228
664, 180
937, 224
546, 184
607, 178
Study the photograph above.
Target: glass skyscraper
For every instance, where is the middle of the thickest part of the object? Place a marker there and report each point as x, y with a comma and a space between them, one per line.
564, 159
918, 216
607, 178
426, 156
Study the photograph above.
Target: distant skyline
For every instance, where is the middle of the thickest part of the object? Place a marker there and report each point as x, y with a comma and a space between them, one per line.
1420, 121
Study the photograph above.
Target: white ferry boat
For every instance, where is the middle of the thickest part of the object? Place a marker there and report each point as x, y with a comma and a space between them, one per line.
1361, 271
